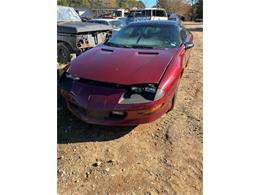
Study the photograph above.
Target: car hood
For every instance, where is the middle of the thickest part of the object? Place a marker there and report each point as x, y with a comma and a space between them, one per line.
122, 65
80, 27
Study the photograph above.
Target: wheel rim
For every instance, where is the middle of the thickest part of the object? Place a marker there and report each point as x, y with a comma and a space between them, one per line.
63, 55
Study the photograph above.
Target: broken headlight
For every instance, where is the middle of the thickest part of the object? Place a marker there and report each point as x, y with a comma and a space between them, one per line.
141, 94
150, 88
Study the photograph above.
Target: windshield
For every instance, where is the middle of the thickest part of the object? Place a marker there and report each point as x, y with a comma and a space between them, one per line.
140, 13
116, 24
148, 36
67, 14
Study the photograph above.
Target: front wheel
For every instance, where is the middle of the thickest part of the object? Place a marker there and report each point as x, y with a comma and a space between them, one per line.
63, 53
174, 96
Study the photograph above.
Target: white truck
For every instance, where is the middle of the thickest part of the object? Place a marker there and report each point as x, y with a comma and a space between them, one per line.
120, 13
146, 14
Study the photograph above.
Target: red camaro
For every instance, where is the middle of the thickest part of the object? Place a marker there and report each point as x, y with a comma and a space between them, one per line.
130, 79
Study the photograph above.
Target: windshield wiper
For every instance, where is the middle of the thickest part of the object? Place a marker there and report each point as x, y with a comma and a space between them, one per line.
116, 45
145, 47
132, 46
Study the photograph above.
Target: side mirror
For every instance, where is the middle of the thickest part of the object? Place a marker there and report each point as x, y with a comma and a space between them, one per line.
84, 19
188, 45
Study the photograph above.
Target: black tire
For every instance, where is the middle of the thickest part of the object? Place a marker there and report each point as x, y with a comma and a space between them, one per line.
173, 102
63, 53
174, 97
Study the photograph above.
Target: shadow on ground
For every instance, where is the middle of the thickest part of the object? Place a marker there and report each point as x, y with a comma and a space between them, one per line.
192, 24
195, 29
73, 130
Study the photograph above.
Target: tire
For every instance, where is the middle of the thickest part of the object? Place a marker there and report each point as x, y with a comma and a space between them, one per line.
173, 102
174, 97
63, 53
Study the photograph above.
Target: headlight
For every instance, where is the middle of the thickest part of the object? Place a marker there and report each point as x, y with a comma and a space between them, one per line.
141, 94
137, 89
150, 88
159, 94
70, 76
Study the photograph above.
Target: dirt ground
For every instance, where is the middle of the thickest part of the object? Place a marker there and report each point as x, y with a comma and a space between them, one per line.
162, 157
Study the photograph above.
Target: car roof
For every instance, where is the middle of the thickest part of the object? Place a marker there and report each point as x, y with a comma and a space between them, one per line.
154, 22
147, 8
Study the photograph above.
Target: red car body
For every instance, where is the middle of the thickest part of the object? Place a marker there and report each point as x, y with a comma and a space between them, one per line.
103, 71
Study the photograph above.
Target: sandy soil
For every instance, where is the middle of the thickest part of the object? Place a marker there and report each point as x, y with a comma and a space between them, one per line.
162, 157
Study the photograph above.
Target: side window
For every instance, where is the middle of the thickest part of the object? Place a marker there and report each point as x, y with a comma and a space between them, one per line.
148, 13
140, 13
159, 13
183, 35
131, 14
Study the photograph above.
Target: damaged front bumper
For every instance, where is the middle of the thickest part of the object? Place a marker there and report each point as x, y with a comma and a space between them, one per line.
97, 103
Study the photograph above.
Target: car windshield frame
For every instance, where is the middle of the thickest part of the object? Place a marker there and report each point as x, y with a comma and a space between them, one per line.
148, 36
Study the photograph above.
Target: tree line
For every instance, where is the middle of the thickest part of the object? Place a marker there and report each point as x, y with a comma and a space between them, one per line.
198, 9
99, 4
189, 9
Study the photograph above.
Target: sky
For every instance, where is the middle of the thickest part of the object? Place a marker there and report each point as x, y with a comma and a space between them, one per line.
149, 3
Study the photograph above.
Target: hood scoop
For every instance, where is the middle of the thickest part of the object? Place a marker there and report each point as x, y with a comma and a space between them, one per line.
107, 50
147, 53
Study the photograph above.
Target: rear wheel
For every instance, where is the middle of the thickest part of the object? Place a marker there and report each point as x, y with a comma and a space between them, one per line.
63, 53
